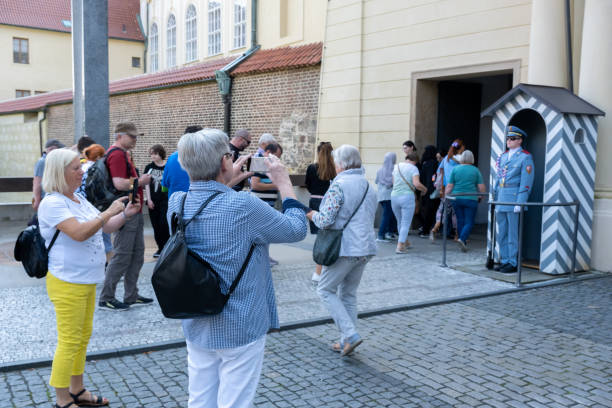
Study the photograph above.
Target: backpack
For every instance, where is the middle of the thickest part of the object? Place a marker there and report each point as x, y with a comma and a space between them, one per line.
99, 187
186, 286
31, 251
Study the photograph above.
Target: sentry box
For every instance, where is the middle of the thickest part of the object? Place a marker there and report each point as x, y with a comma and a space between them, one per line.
562, 137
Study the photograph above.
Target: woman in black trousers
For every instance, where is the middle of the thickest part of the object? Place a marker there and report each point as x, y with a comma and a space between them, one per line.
318, 177
429, 206
155, 198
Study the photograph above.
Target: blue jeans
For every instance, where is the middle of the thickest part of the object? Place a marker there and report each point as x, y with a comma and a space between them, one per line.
387, 222
466, 212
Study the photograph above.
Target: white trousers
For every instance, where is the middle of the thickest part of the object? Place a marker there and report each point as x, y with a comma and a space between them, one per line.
224, 378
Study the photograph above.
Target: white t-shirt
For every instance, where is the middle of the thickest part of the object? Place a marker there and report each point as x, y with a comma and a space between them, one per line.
69, 260
399, 185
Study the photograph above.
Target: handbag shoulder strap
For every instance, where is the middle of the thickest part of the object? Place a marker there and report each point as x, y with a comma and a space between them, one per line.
182, 208
53, 240
244, 266
404, 178
359, 206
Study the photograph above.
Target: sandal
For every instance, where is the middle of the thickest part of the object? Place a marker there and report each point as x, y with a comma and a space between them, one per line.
68, 405
349, 345
99, 402
336, 347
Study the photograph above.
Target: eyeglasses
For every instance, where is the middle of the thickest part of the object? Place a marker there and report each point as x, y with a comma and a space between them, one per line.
248, 142
513, 138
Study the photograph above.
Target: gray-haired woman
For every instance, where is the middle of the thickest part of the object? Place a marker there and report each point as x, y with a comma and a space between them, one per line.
225, 351
348, 192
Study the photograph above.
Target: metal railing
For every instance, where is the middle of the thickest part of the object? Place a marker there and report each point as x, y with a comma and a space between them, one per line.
492, 242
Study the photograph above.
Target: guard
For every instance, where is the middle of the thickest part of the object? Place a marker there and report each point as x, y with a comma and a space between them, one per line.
514, 178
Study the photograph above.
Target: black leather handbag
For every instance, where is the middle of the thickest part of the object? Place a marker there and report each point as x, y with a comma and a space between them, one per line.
186, 286
326, 248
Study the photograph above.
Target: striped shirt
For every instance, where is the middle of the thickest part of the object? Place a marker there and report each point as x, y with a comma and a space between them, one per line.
222, 234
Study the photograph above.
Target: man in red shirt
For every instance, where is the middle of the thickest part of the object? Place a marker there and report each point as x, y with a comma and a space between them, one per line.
128, 243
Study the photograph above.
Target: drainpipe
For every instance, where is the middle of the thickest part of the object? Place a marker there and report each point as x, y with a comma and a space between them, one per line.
224, 80
570, 64
40, 132
146, 37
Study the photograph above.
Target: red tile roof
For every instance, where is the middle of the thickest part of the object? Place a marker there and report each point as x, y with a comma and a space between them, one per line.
48, 14
262, 61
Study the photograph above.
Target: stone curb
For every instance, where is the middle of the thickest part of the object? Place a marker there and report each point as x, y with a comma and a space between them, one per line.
124, 351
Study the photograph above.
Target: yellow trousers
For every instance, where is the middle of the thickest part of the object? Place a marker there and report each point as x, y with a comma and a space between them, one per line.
74, 308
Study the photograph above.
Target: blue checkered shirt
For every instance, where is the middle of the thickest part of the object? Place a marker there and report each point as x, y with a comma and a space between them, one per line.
222, 234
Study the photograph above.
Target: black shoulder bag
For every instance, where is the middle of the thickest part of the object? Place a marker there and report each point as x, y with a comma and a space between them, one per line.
31, 251
326, 248
186, 286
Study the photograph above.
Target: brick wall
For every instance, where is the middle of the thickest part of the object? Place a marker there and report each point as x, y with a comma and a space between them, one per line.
283, 103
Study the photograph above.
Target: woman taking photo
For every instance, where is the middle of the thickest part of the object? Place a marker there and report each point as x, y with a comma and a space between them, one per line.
225, 351
384, 183
318, 177
76, 264
465, 178
405, 185
348, 195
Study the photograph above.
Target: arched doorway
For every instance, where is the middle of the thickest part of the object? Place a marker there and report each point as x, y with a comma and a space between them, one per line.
533, 124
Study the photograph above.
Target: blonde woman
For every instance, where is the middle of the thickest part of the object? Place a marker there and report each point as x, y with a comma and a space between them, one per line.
318, 178
406, 182
76, 264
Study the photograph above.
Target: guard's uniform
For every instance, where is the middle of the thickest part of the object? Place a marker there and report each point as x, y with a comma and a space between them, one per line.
513, 183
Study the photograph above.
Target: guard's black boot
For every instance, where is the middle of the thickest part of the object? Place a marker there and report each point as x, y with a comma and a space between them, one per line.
508, 268
500, 266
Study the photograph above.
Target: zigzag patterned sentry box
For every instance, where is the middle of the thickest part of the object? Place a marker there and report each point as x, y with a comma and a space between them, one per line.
569, 175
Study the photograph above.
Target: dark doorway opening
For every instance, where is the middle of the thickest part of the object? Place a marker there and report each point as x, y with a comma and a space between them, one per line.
460, 102
535, 127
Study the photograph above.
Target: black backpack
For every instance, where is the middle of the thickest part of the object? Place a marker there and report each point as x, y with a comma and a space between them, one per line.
186, 286
31, 251
99, 187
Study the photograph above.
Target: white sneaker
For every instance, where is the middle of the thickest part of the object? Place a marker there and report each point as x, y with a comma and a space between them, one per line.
391, 236
315, 277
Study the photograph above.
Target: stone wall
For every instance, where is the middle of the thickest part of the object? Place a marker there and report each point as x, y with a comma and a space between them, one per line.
283, 103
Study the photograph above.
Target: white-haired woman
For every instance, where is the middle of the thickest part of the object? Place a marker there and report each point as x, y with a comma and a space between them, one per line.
348, 195
225, 351
76, 264
465, 178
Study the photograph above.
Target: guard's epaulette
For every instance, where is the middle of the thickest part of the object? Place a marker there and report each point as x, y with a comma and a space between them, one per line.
525, 151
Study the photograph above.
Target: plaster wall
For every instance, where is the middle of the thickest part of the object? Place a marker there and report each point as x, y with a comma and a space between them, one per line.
372, 49
20, 151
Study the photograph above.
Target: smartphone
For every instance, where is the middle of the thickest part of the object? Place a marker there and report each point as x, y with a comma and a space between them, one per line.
134, 192
258, 165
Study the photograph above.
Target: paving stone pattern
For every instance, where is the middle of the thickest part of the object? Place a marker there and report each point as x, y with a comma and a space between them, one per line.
387, 281
550, 347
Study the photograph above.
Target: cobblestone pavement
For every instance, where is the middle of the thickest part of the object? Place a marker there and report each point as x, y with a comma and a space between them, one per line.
549, 347
389, 280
